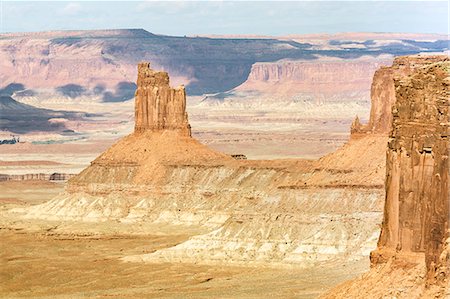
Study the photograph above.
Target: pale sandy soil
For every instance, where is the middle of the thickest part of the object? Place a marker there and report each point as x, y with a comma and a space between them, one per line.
27, 193
39, 261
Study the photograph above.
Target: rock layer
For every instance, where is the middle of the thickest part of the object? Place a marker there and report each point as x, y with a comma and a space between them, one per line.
36, 176
158, 106
321, 79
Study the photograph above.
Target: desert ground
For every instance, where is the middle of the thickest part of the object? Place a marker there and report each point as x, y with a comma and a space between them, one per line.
42, 259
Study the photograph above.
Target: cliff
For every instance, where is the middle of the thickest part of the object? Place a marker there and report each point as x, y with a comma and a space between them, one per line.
325, 76
382, 92
157, 105
412, 256
416, 209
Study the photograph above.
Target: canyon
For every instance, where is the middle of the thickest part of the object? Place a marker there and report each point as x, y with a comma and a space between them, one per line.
191, 206
204, 64
161, 175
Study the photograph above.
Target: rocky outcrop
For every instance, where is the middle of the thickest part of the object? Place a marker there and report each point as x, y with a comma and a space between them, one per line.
416, 210
382, 92
158, 106
412, 256
382, 95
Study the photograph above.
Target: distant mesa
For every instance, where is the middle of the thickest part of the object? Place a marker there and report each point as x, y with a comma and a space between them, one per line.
46, 60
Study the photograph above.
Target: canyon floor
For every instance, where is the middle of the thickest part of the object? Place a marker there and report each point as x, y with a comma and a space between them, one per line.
43, 259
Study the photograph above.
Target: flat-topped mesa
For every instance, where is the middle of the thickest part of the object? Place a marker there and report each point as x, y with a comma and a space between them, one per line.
417, 196
158, 106
382, 92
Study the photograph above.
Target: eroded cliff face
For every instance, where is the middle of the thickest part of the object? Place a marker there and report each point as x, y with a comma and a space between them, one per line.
382, 96
416, 211
412, 257
382, 92
158, 106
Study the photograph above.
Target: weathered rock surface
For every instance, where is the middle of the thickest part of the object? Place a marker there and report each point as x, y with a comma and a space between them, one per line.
413, 246
382, 92
416, 210
158, 106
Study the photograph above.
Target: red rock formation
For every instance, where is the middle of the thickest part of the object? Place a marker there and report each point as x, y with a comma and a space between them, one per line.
416, 209
382, 91
382, 96
158, 106
412, 258
356, 125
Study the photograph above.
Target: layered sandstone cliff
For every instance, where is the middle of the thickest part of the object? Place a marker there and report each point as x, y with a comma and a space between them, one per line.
416, 210
324, 76
412, 257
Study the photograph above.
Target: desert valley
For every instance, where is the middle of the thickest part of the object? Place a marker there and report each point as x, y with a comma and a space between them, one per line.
298, 166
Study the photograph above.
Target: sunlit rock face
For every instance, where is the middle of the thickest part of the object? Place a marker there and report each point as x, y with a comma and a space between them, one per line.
383, 93
416, 211
159, 106
412, 255
324, 76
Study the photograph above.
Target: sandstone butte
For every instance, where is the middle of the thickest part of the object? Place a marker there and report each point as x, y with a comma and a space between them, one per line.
295, 212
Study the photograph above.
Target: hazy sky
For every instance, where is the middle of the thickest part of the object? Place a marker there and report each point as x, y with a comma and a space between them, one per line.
228, 17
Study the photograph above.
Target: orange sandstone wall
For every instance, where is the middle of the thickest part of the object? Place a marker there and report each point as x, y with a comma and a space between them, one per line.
416, 211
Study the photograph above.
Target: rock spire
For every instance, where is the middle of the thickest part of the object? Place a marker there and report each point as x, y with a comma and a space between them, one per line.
158, 106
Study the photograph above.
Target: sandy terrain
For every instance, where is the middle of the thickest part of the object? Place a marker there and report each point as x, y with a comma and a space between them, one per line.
38, 260
27, 193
